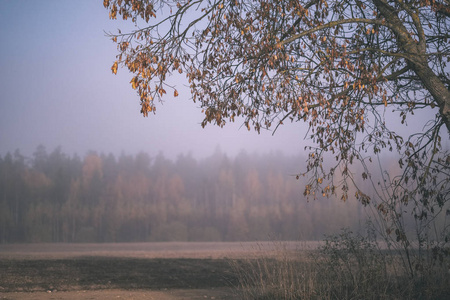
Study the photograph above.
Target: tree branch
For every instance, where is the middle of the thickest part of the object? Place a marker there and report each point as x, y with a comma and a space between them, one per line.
330, 25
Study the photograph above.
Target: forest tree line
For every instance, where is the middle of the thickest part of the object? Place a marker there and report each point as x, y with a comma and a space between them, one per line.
55, 197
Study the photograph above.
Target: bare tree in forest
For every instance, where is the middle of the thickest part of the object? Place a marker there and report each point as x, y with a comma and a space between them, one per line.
348, 69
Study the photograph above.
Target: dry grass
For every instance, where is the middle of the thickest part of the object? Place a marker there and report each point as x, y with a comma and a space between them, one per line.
345, 267
277, 274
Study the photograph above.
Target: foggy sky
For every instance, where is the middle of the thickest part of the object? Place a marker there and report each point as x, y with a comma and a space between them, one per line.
57, 89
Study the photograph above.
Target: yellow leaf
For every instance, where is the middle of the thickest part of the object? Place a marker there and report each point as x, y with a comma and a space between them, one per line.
175, 93
113, 12
305, 109
114, 67
134, 83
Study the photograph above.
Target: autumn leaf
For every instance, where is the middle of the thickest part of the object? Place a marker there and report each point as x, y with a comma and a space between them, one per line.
134, 82
114, 67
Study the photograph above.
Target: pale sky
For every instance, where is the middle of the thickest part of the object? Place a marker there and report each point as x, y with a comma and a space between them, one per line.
57, 89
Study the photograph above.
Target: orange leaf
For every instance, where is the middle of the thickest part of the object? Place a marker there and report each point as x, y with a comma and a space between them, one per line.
114, 67
134, 83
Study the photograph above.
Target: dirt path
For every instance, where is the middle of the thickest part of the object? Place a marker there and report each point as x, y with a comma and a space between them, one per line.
116, 277
177, 294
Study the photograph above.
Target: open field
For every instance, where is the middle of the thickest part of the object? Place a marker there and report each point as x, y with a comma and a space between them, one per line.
199, 250
126, 271
176, 270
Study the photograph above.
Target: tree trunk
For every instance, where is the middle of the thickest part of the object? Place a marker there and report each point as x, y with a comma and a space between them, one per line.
417, 59
437, 89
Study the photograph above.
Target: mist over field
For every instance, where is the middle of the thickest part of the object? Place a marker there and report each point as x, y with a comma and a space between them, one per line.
56, 197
